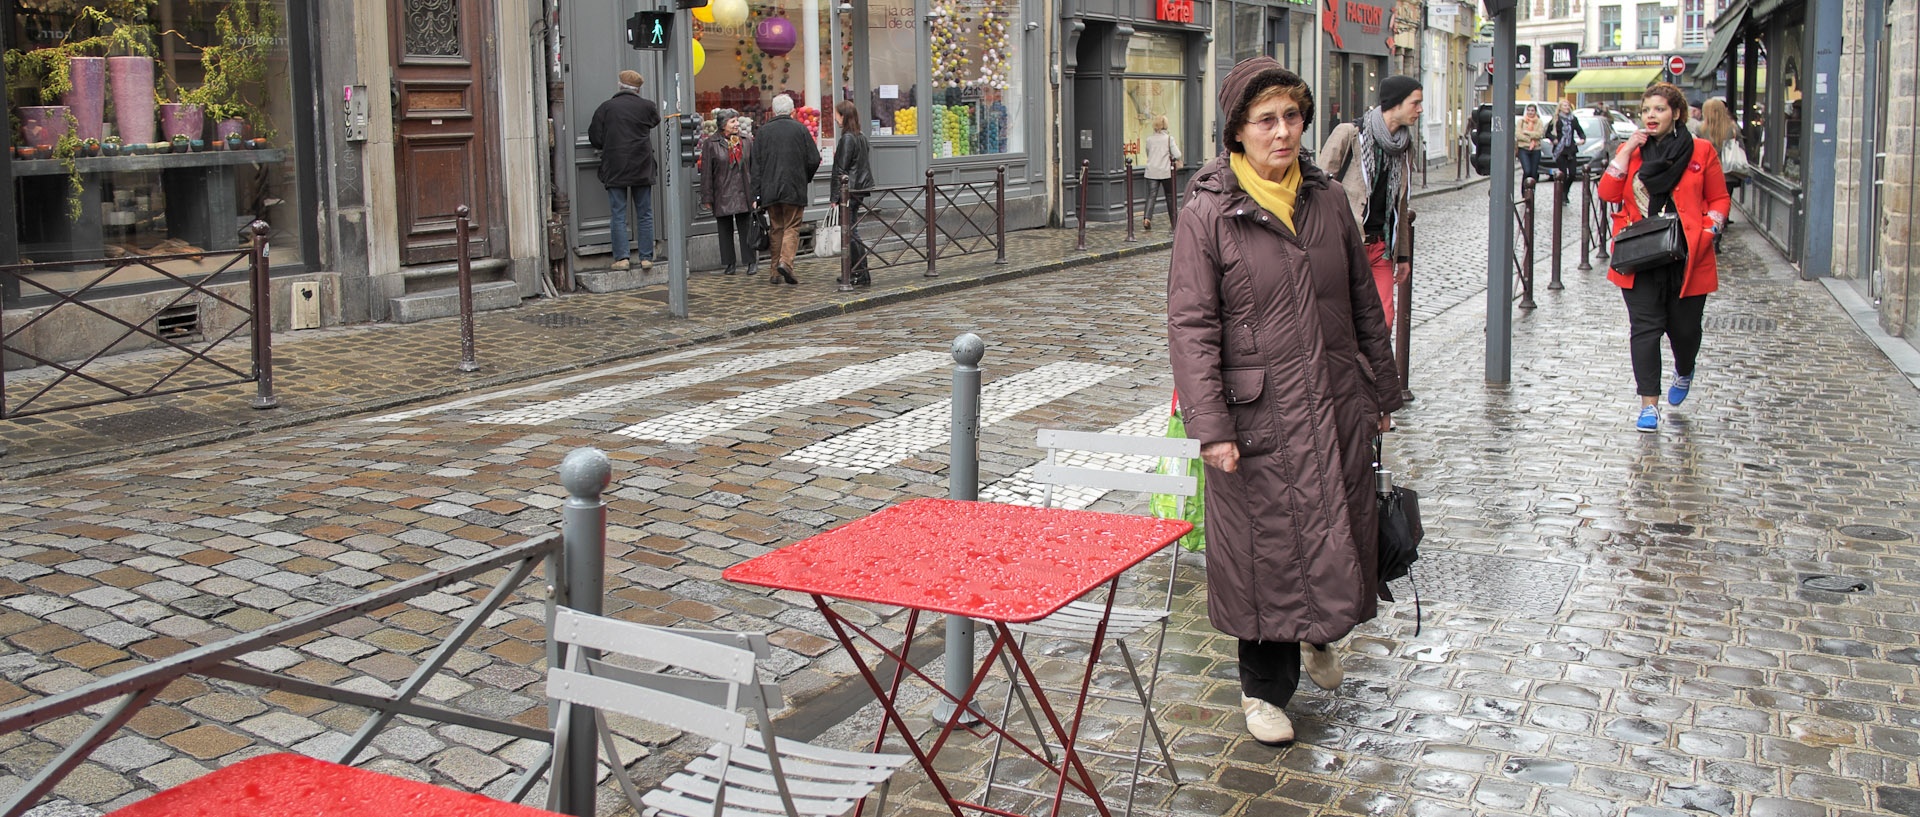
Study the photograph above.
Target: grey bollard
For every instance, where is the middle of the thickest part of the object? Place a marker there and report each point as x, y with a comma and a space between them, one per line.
963, 483
583, 529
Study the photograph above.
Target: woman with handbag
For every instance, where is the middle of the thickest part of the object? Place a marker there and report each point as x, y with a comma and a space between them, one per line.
1565, 136
852, 158
1163, 158
1673, 205
724, 188
1284, 369
1720, 129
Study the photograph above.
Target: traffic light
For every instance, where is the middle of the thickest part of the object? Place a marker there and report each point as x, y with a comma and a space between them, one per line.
689, 139
650, 30
1483, 140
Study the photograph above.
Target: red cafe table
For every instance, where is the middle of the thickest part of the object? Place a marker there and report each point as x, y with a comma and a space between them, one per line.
1004, 564
287, 785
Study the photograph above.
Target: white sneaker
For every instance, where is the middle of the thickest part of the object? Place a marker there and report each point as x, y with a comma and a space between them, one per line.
1266, 722
1323, 666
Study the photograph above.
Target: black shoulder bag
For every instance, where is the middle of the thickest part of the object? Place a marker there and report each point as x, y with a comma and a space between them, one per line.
1650, 243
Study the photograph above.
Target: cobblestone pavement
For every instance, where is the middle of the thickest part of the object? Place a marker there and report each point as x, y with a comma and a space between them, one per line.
1615, 623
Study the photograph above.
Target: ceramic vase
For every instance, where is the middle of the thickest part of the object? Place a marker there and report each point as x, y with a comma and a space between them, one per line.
42, 124
88, 98
229, 129
181, 119
132, 81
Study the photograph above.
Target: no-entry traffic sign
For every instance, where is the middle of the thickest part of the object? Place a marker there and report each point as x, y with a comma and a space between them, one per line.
1676, 64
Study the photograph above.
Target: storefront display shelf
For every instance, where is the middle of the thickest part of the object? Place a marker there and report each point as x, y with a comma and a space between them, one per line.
149, 162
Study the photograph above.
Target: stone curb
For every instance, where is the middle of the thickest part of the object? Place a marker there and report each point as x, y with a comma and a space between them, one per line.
933, 288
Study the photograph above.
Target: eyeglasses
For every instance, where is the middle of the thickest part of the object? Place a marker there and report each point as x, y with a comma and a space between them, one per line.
1267, 124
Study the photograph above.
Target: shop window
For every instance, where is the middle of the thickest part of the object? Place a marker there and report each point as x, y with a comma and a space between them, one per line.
1791, 102
751, 59
1248, 23
1302, 33
1610, 37
146, 127
1155, 87
1648, 25
975, 106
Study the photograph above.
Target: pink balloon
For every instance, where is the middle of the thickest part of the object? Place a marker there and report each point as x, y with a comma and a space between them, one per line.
775, 36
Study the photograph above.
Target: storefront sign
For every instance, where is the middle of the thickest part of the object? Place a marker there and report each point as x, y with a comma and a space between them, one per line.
1623, 60
1359, 28
1173, 11
1563, 56
1523, 57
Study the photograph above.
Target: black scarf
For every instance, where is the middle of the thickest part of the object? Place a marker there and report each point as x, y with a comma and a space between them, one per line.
1663, 160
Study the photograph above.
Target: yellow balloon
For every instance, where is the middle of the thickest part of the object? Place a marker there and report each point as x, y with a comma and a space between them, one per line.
699, 56
729, 13
704, 13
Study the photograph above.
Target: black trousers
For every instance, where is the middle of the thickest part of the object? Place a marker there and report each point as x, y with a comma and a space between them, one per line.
1154, 188
1655, 309
738, 225
1269, 670
856, 249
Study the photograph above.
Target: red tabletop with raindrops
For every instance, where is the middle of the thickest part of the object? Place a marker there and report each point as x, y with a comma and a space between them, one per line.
285, 785
983, 560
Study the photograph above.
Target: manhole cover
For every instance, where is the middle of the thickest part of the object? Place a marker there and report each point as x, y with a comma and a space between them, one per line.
1492, 582
1877, 533
154, 423
1739, 323
1834, 584
557, 320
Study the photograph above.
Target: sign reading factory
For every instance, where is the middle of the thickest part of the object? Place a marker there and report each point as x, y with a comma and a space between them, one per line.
1359, 28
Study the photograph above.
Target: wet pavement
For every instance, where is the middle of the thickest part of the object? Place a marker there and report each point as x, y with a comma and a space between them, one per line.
1615, 623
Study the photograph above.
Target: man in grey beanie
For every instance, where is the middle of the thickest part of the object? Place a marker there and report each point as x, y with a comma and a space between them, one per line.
785, 158
1372, 157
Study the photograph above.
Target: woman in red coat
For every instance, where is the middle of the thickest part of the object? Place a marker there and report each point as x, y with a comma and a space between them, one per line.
1660, 169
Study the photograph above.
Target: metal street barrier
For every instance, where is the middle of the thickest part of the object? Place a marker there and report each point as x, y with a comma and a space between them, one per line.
1523, 261
463, 228
79, 387
923, 223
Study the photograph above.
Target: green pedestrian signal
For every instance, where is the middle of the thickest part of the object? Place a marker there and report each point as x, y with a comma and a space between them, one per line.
650, 30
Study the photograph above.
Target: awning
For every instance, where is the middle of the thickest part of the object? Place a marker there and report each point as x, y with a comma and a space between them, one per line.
1630, 79
1725, 29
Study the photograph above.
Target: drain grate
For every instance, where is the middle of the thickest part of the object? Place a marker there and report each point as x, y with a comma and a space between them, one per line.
1835, 584
1492, 582
148, 424
1876, 533
1739, 323
557, 320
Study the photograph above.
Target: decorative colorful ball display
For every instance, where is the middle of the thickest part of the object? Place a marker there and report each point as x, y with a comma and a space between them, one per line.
728, 13
955, 133
704, 12
993, 54
948, 54
993, 130
810, 117
775, 36
699, 56
906, 122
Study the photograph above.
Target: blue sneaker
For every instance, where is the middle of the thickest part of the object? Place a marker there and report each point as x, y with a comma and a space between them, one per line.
1678, 391
1649, 419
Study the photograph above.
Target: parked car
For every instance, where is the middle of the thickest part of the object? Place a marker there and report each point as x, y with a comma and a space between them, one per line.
1618, 128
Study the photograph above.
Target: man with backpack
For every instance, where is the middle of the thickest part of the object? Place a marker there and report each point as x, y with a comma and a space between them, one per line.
1372, 158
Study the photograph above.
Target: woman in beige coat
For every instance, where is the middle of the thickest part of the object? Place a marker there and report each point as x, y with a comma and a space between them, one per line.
1283, 366
1527, 139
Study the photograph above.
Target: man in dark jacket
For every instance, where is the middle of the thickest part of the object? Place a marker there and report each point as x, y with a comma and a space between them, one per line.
622, 130
784, 160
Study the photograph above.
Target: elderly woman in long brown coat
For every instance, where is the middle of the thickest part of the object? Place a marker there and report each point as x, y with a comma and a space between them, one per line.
1282, 361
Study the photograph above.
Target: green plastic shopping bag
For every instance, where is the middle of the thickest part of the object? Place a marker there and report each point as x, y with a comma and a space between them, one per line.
1167, 506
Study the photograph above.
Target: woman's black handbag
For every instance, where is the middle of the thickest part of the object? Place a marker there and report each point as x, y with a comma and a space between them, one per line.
762, 229
1650, 243
1400, 532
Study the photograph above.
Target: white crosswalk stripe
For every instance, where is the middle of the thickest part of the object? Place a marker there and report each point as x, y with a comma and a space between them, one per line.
1020, 489
455, 405
713, 418
543, 413
871, 448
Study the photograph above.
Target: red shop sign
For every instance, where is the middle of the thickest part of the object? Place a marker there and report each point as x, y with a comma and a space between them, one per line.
1173, 11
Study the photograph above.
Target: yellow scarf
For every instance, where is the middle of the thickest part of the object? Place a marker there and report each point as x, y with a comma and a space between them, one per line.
1278, 197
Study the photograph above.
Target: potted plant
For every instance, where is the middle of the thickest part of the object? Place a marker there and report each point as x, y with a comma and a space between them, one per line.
91, 148
246, 32
42, 76
181, 143
110, 146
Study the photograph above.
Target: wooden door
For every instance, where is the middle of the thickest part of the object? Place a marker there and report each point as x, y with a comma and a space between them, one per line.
442, 125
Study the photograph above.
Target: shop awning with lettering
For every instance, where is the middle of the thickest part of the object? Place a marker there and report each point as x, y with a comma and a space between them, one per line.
1628, 79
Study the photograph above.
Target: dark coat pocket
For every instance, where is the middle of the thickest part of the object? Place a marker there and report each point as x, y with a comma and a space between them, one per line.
1244, 386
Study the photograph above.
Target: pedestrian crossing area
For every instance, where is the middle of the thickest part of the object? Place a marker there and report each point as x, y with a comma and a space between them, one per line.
865, 448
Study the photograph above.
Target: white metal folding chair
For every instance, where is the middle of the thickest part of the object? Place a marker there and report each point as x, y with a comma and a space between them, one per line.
1131, 460
747, 773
